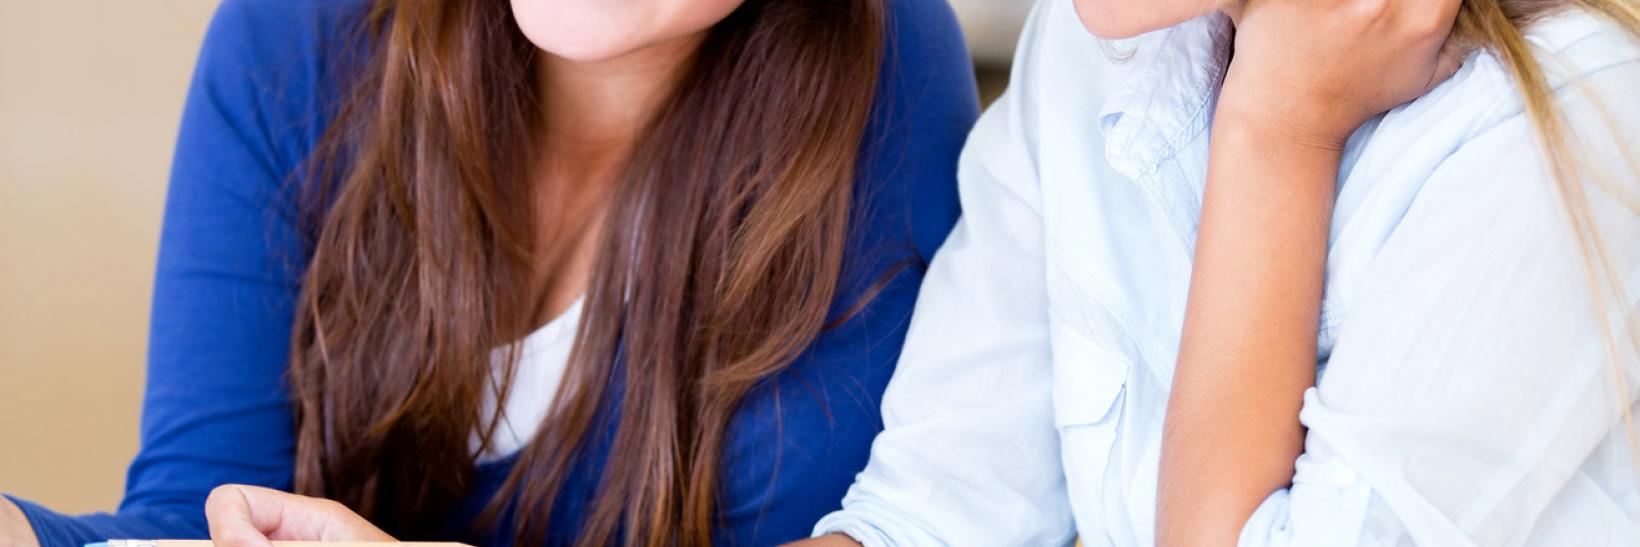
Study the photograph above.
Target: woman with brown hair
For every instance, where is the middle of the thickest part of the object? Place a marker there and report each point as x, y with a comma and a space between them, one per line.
564, 271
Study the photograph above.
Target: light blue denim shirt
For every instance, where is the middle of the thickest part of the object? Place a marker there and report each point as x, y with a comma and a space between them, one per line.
1469, 394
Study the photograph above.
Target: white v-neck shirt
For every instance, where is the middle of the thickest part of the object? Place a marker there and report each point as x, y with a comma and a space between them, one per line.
542, 357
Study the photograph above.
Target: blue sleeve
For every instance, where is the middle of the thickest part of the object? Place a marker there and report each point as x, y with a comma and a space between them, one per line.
216, 409
795, 447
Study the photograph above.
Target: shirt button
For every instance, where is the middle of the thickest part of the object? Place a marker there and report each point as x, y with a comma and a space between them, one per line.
1341, 475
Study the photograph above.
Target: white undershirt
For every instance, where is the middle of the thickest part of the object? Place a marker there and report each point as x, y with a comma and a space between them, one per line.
541, 360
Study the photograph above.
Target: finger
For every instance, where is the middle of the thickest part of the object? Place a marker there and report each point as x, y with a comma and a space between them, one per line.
327, 520
251, 516
230, 516
1451, 59
1447, 64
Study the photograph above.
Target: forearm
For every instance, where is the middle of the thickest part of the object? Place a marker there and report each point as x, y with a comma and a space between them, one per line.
829, 540
1248, 350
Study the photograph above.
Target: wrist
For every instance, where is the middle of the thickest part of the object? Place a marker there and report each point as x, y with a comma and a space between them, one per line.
1262, 108
1273, 127
15, 530
1256, 155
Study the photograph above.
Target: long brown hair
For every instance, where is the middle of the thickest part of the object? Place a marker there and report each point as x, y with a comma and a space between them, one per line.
1500, 27
719, 261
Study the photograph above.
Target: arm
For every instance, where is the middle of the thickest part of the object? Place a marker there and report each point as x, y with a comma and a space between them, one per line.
829, 540
14, 528
215, 408
1248, 349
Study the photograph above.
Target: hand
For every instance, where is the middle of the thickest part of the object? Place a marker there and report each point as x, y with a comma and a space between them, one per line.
1317, 69
828, 540
15, 531
250, 516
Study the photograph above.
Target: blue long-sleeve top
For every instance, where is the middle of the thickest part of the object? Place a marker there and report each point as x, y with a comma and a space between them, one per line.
218, 409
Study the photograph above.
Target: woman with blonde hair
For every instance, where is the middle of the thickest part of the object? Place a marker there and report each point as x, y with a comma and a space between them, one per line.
1283, 272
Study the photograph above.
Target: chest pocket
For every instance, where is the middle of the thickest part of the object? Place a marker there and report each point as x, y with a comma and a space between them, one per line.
1090, 385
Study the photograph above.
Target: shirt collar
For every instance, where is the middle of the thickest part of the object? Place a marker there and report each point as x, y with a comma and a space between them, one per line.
1165, 93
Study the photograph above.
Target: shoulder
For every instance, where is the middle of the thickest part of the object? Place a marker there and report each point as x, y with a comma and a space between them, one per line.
271, 70
1591, 66
1488, 174
251, 23
256, 36
923, 30
927, 80
1583, 57
927, 76
926, 103
288, 14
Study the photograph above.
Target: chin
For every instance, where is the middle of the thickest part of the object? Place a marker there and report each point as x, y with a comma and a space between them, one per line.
1102, 21
1118, 19
589, 47
600, 30
577, 32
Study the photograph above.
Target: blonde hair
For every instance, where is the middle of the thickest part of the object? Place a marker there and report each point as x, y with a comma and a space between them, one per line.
1497, 25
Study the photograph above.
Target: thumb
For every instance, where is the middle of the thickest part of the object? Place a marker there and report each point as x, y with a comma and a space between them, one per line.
230, 513
250, 516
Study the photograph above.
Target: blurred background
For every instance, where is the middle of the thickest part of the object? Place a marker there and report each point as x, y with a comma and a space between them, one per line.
90, 96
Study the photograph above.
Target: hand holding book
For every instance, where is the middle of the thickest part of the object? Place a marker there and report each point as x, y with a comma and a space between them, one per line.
251, 516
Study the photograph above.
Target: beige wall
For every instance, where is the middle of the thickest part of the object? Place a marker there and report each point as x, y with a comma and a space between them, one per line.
90, 94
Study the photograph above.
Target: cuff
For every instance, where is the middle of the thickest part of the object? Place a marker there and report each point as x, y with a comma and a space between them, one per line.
1327, 506
50, 528
58, 530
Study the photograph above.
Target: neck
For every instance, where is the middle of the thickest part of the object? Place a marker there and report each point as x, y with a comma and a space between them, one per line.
1233, 9
596, 109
